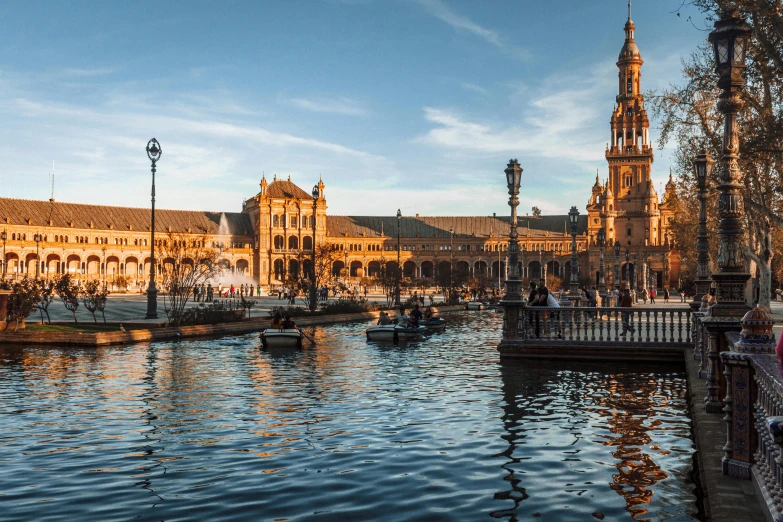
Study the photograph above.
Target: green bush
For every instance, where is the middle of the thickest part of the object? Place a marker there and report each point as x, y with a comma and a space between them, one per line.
211, 314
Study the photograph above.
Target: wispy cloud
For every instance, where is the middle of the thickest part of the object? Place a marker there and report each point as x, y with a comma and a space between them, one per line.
83, 73
473, 87
559, 120
341, 105
462, 23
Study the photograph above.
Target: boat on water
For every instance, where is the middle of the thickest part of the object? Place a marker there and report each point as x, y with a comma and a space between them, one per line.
281, 338
394, 332
433, 323
477, 305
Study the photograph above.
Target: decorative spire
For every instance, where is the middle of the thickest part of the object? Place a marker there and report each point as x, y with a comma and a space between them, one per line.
629, 10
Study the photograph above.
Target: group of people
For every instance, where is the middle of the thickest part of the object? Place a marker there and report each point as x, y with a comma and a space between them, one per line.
282, 322
410, 320
205, 292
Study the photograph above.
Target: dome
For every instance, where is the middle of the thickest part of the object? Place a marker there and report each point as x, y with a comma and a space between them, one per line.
630, 51
756, 334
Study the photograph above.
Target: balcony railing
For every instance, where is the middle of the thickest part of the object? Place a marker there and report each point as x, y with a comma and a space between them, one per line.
543, 324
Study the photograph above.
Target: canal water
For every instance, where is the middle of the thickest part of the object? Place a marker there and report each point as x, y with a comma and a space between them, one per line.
345, 430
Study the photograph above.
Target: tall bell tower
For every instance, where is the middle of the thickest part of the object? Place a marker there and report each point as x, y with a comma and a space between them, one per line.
630, 155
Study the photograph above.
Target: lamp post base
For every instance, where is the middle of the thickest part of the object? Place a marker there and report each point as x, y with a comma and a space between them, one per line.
152, 302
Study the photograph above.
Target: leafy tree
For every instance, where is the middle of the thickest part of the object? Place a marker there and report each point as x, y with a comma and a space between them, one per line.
536, 212
94, 295
47, 292
22, 301
185, 261
689, 117
67, 289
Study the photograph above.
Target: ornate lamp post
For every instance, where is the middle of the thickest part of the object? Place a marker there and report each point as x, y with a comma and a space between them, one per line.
634, 275
628, 269
513, 179
451, 262
601, 277
617, 266
399, 268
573, 290
313, 287
729, 41
4, 237
154, 152
37, 238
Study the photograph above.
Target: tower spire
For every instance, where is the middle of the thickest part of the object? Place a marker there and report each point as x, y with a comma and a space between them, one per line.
629, 10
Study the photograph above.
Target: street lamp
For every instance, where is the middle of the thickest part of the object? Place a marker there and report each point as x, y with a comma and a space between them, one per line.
601, 279
399, 268
635, 275
313, 287
4, 237
573, 291
37, 238
617, 266
513, 180
154, 152
729, 41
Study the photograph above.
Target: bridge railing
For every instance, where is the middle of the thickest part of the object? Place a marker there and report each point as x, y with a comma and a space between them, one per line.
583, 324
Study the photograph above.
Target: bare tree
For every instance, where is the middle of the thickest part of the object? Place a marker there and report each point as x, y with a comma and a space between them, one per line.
94, 295
689, 116
185, 261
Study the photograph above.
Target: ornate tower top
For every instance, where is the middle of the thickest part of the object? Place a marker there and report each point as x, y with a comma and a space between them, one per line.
321, 186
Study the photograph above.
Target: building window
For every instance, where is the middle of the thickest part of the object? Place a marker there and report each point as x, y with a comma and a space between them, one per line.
628, 232
629, 85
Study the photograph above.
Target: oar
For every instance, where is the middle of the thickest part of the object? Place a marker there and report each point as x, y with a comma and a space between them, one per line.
307, 336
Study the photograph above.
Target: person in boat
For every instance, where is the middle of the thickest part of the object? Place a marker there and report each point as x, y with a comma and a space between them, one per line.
383, 318
403, 318
288, 323
415, 316
277, 321
428, 313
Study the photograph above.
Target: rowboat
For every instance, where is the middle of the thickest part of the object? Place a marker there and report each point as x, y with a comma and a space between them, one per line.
394, 332
281, 338
434, 323
476, 305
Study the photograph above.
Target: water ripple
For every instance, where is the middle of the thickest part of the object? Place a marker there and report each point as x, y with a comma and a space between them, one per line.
345, 430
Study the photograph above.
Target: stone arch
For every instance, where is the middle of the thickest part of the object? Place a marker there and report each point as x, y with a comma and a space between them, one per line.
534, 270
392, 268
307, 243
337, 268
53, 265
374, 269
357, 269
293, 267
112, 266
278, 268
131, 266
480, 268
243, 267
73, 264
93, 265
293, 243
498, 269
279, 242
409, 269
427, 270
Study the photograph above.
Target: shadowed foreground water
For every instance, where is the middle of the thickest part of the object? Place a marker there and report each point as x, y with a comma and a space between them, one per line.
346, 430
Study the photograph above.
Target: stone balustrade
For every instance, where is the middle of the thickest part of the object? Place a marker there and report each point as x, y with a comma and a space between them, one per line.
609, 325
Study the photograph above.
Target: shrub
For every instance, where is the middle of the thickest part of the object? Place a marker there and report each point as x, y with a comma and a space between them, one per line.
211, 314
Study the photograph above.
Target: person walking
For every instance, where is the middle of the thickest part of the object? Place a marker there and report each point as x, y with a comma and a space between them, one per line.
626, 302
209, 292
652, 295
666, 296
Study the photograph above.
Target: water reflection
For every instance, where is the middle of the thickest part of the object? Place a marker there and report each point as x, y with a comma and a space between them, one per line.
557, 418
437, 430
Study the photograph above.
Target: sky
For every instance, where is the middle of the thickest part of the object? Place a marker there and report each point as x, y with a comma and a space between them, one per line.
409, 104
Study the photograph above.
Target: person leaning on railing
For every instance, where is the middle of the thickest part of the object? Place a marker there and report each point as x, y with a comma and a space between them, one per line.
626, 302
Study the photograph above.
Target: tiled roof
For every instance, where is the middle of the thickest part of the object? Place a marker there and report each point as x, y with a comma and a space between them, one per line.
286, 189
39, 213
432, 227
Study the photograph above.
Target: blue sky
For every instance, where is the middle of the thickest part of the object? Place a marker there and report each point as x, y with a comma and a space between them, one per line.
411, 104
